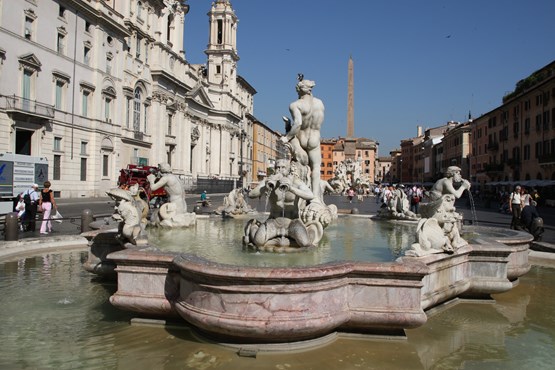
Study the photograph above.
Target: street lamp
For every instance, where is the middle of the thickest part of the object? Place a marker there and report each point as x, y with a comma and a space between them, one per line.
401, 171
422, 178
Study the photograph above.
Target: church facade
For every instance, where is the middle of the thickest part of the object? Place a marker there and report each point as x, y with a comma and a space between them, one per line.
93, 86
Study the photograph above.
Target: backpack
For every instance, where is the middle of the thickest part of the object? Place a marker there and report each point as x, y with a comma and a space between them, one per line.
27, 198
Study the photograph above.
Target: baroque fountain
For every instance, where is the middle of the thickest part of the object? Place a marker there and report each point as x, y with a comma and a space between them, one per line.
254, 303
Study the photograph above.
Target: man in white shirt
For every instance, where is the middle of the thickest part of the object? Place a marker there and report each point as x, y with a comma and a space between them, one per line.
31, 198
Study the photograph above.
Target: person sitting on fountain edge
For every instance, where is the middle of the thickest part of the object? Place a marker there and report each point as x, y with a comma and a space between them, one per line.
531, 221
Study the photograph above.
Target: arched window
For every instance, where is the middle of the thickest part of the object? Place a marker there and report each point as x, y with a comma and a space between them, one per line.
139, 8
137, 100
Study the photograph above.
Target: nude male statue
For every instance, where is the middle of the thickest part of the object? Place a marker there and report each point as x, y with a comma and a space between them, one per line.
172, 185
445, 185
304, 135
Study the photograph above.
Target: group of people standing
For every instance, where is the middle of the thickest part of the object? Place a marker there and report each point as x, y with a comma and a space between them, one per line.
522, 206
30, 202
384, 194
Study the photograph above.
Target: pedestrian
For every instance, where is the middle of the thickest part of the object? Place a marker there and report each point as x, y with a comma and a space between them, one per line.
204, 199
350, 194
31, 198
515, 207
531, 220
20, 209
47, 203
378, 193
415, 196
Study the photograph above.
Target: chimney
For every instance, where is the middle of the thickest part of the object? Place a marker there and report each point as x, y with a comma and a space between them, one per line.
418, 131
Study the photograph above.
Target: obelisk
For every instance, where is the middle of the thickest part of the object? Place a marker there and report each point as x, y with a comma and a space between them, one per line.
351, 101
350, 141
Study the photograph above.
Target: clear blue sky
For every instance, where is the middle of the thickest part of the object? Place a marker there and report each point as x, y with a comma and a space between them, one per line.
415, 62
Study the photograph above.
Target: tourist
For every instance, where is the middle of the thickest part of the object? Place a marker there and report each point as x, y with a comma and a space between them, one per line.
378, 193
47, 203
525, 197
204, 198
350, 194
515, 206
304, 133
31, 198
415, 196
531, 221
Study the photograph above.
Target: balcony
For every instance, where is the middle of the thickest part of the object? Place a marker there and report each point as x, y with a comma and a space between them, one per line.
493, 146
138, 135
513, 163
547, 159
26, 107
494, 167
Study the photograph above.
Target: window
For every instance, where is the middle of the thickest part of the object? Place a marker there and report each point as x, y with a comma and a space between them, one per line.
61, 43
538, 149
26, 88
109, 63
107, 104
105, 162
220, 32
127, 111
146, 54
527, 126
83, 148
170, 124
57, 144
169, 29
57, 170
28, 32
139, 9
83, 169
538, 122
88, 26
137, 110
59, 95
85, 103
62, 12
145, 118
86, 55
138, 48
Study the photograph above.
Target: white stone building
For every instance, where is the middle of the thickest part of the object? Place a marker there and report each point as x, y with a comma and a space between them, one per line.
94, 85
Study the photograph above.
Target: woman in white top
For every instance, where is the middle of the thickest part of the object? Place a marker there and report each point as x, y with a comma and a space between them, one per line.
515, 206
525, 198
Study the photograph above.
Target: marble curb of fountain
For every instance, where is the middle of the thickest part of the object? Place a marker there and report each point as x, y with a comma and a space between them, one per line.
34, 246
240, 304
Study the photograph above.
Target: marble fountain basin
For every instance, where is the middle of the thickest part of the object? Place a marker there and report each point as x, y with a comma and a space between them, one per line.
251, 304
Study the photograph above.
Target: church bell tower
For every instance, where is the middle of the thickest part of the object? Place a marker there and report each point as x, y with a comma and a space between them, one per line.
222, 44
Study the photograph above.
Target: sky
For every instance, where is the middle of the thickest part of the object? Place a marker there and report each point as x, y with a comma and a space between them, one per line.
416, 63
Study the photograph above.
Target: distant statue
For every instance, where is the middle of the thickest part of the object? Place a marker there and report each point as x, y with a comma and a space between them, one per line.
438, 230
283, 229
234, 204
128, 216
173, 213
397, 207
303, 134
